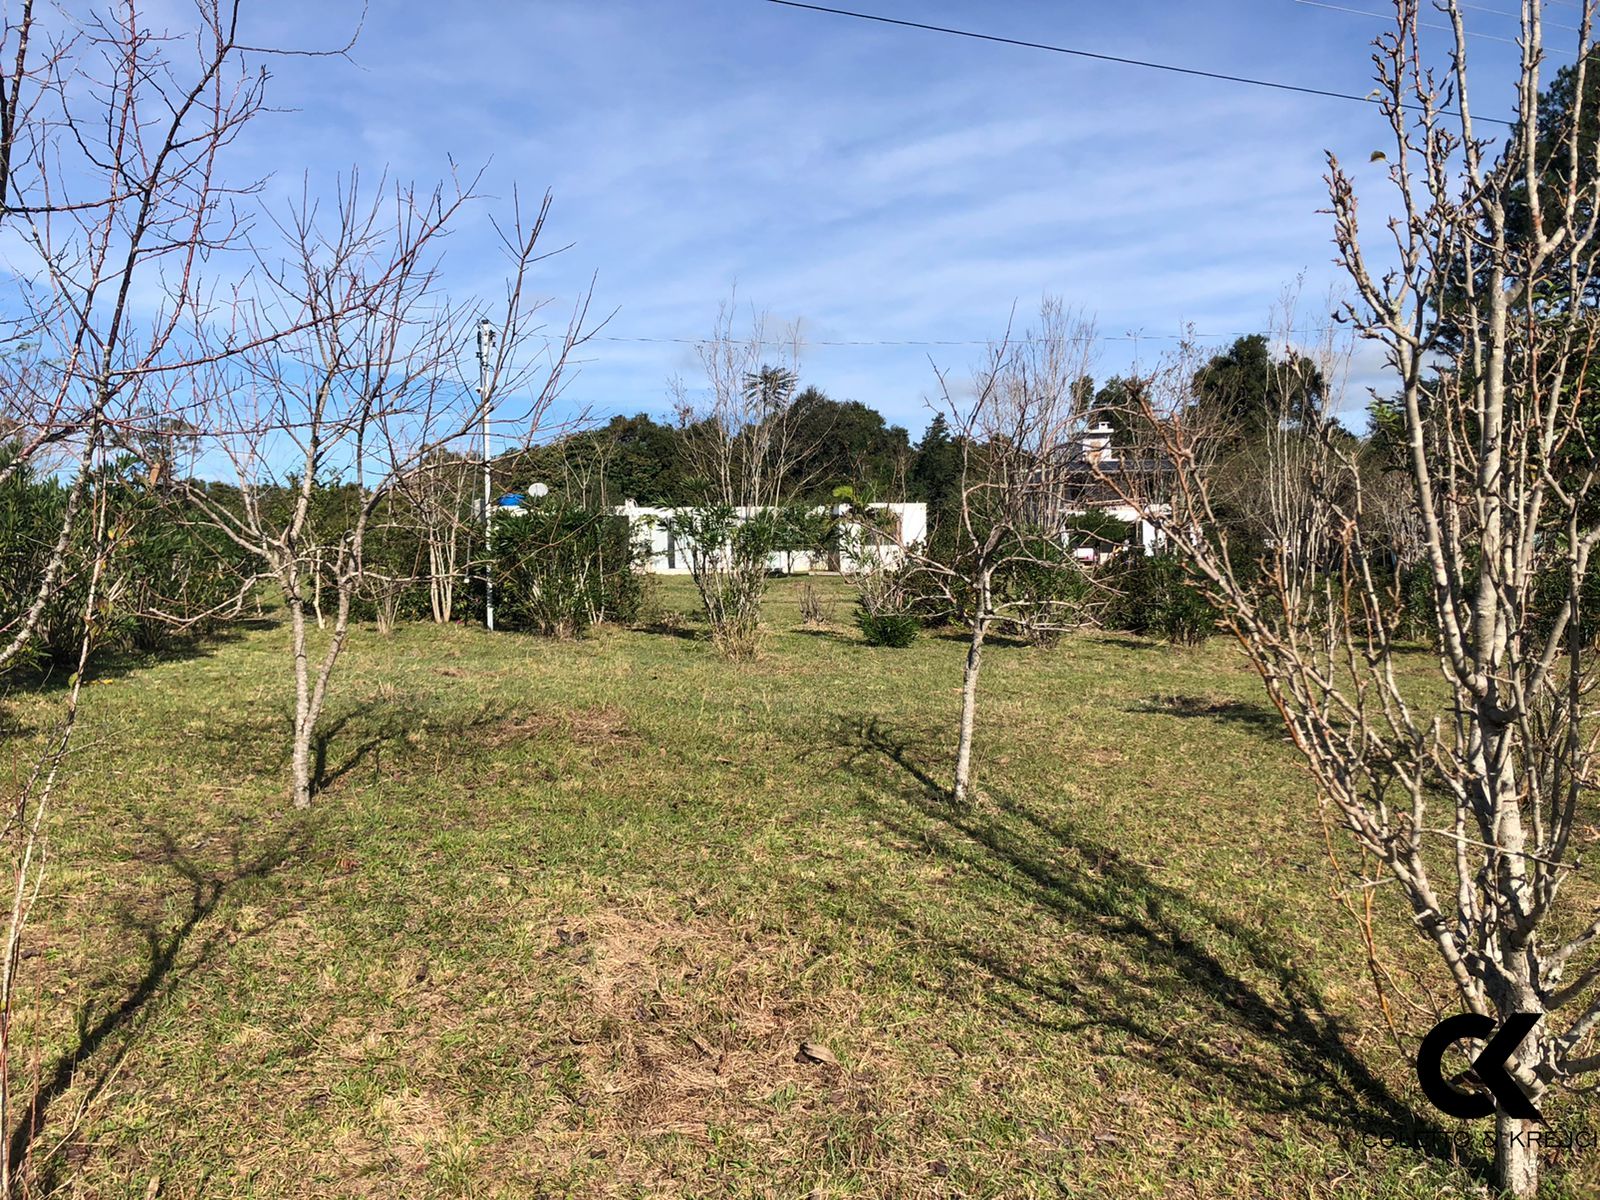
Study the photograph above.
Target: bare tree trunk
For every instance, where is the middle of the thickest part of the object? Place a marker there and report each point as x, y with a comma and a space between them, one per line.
1516, 1157
27, 835
316, 586
304, 718
969, 708
1019, 426
441, 582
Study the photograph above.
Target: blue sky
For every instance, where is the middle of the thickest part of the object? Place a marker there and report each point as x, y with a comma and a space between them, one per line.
873, 183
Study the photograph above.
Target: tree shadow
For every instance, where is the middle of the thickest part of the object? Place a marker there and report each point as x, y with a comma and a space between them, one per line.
391, 729
994, 638
1203, 995
1258, 717
170, 957
51, 676
675, 629
1128, 641
823, 633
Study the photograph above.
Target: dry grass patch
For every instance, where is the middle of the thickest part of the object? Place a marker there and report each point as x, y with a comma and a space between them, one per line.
692, 1025
690, 1031
601, 725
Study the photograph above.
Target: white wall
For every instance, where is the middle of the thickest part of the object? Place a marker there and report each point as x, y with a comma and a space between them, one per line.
668, 557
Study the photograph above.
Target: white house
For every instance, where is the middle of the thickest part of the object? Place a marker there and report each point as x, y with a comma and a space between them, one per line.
1097, 479
667, 556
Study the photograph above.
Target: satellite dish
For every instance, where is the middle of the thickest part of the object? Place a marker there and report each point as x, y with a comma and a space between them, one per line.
539, 489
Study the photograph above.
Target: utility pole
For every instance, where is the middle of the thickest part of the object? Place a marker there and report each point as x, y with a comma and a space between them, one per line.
486, 336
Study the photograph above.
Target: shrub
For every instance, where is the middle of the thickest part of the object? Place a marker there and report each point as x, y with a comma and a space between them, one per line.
889, 629
559, 569
31, 512
169, 577
1046, 593
165, 578
1415, 618
1550, 595
728, 560
1152, 595
1185, 617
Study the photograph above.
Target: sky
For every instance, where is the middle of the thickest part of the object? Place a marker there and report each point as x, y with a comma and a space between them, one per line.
875, 184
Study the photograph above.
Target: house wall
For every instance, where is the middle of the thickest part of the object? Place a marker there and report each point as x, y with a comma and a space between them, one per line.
667, 556
1149, 537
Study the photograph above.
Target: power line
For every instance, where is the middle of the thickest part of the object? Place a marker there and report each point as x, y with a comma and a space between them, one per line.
916, 343
1493, 37
1378, 16
1275, 85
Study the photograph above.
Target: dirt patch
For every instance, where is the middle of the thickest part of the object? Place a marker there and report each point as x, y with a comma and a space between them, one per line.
689, 1027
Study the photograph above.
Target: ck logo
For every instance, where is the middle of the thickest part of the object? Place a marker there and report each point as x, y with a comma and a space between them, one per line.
1489, 1066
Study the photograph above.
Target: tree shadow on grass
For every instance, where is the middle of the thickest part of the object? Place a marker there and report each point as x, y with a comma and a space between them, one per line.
349, 734
50, 676
995, 637
1259, 717
172, 954
828, 634
389, 729
675, 629
1203, 995
1129, 641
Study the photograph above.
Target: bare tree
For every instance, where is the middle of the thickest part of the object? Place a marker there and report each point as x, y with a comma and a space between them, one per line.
1470, 807
1020, 432
23, 836
364, 396
114, 200
440, 492
124, 187
742, 446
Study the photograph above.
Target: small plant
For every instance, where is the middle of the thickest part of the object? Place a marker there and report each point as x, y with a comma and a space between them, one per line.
729, 557
650, 610
898, 630
1185, 618
1047, 591
813, 612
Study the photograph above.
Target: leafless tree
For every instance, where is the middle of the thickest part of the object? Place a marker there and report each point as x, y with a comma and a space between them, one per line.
113, 200
1020, 429
23, 836
363, 397
1469, 808
742, 445
439, 494
110, 139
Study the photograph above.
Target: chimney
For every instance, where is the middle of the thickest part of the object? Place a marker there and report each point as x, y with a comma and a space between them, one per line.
1097, 444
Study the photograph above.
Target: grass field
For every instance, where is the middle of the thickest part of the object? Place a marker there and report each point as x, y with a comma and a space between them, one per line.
565, 913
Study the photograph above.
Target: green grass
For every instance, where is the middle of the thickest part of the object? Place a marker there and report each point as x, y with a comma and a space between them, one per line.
565, 911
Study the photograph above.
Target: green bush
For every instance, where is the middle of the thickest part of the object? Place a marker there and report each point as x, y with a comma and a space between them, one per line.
730, 560
1152, 595
1047, 591
1185, 617
170, 576
31, 512
166, 577
1415, 616
889, 629
558, 569
1550, 595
